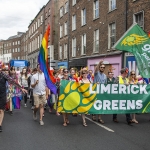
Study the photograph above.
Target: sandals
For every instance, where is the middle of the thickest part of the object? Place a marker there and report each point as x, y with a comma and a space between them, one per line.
101, 121
65, 124
93, 117
135, 121
84, 124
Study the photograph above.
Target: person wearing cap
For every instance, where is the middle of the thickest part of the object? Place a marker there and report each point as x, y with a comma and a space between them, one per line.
122, 79
3, 79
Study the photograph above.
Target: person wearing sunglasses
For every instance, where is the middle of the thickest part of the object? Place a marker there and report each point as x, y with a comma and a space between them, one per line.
84, 79
99, 78
65, 115
133, 80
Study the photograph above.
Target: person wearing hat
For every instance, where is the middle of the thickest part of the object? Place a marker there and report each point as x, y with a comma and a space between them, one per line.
3, 79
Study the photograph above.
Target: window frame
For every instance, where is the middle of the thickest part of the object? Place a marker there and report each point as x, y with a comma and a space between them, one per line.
96, 41
83, 44
65, 50
73, 22
60, 52
110, 35
94, 9
83, 18
111, 4
137, 14
74, 48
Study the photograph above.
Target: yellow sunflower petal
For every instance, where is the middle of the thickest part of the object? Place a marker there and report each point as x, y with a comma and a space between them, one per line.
61, 97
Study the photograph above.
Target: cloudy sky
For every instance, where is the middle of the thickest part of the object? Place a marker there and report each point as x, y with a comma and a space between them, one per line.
15, 15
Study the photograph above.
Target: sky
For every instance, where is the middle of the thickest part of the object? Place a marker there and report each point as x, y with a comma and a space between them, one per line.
16, 15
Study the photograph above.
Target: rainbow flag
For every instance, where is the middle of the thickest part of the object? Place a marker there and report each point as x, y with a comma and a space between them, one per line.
43, 62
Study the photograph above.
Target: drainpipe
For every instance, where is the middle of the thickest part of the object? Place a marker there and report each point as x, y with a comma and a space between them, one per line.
68, 47
126, 26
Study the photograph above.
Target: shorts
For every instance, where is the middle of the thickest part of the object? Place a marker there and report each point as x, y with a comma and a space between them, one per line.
39, 99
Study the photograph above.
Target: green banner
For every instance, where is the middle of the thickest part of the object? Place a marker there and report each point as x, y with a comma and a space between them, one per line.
103, 98
136, 41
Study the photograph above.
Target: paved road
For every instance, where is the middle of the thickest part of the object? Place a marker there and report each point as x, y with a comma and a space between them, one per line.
20, 132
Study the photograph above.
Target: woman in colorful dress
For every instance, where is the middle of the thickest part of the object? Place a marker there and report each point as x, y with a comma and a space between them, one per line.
133, 80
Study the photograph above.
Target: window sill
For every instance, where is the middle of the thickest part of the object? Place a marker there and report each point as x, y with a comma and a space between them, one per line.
73, 56
95, 53
74, 30
83, 25
83, 54
112, 10
96, 18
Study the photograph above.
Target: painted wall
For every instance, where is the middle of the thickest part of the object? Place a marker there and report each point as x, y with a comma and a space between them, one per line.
115, 61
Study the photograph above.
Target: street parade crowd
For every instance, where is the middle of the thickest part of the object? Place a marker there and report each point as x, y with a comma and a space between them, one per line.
16, 85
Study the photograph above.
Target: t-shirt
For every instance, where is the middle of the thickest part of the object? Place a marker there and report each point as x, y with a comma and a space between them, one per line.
24, 80
39, 89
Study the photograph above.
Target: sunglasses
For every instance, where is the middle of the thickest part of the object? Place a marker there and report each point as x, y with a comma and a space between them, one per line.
132, 74
65, 71
102, 67
84, 73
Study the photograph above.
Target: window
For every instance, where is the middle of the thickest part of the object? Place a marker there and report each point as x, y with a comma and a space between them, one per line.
73, 2
18, 42
41, 19
74, 47
65, 28
61, 11
112, 5
73, 22
46, 14
51, 49
65, 51
139, 18
83, 48
96, 9
96, 41
38, 42
18, 58
66, 7
61, 31
36, 25
49, 11
38, 22
112, 35
15, 49
13, 43
83, 17
60, 52
18, 49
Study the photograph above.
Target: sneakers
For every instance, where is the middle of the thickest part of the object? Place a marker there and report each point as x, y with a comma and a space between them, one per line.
41, 123
0, 128
25, 105
34, 116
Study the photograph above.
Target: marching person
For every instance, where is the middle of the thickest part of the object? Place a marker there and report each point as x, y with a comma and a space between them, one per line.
84, 74
23, 80
91, 76
3, 79
111, 80
99, 78
122, 79
133, 80
40, 93
65, 115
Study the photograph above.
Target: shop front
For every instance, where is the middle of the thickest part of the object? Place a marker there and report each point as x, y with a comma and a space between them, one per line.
112, 63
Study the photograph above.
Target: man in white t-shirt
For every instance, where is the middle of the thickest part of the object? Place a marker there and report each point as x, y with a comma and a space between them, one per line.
40, 93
